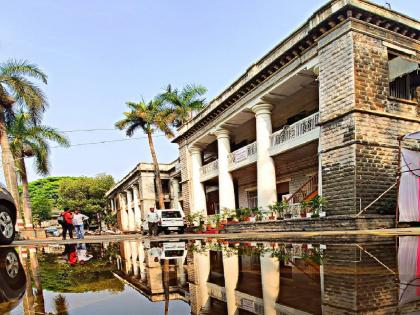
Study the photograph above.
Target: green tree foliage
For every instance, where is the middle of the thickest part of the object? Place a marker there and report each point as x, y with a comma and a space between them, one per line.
44, 197
86, 194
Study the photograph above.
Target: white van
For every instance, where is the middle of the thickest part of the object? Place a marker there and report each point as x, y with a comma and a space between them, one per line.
170, 220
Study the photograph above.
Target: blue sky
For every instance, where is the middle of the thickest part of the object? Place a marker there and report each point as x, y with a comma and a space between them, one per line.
100, 54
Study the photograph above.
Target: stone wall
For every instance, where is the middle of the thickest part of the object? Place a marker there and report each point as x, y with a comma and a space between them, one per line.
330, 223
185, 176
360, 123
357, 283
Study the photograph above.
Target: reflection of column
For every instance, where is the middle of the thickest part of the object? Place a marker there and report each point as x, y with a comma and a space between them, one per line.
127, 257
123, 209
266, 171
319, 168
226, 189
199, 195
231, 274
137, 212
142, 257
134, 257
270, 278
131, 221
202, 261
180, 272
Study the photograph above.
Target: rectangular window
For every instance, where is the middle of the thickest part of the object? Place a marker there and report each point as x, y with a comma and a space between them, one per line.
404, 77
252, 199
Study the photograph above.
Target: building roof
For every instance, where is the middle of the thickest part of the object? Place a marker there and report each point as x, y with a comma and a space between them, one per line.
143, 167
324, 19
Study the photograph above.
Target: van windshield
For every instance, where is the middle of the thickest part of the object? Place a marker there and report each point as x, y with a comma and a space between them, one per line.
171, 214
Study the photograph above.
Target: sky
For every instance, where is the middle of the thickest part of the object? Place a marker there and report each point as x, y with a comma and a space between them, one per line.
100, 54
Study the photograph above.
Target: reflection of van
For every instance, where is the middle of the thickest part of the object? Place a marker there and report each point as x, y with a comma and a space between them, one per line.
173, 250
170, 220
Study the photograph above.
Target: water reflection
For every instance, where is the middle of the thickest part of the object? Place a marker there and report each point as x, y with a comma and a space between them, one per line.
213, 277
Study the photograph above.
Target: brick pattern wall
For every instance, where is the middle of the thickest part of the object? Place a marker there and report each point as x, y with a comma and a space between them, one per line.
359, 149
376, 151
355, 283
185, 175
337, 96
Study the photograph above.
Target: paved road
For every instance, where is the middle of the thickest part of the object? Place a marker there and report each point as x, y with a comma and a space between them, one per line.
343, 235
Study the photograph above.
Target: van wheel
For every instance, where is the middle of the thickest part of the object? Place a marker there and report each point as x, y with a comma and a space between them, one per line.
167, 232
181, 231
7, 227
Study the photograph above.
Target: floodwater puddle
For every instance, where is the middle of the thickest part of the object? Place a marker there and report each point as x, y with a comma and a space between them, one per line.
378, 275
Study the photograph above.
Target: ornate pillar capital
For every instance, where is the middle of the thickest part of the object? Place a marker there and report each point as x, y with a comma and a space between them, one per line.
262, 108
221, 133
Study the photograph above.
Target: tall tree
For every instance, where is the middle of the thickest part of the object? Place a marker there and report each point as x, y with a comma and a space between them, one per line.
149, 117
185, 102
16, 87
28, 139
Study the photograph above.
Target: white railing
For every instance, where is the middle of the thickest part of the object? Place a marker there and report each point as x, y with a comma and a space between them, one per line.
246, 153
210, 168
295, 130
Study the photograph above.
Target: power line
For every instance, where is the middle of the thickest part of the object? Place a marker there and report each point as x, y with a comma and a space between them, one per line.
104, 141
88, 130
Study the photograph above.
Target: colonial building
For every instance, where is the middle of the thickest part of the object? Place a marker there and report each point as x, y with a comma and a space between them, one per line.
133, 196
318, 114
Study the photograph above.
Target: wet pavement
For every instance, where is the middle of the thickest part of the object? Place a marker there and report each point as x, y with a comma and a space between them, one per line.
369, 275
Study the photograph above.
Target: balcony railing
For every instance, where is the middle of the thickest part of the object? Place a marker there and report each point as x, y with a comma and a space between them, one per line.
297, 131
209, 170
243, 156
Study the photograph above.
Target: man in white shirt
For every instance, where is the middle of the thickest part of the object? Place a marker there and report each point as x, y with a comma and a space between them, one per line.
153, 220
78, 222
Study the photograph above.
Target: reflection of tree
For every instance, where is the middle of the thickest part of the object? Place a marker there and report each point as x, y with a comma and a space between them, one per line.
28, 298
39, 296
61, 306
95, 275
166, 284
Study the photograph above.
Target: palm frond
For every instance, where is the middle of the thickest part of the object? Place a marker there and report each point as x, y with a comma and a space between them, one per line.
15, 67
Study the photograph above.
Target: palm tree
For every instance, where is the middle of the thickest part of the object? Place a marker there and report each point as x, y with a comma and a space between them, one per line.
150, 117
28, 139
15, 87
185, 102
61, 305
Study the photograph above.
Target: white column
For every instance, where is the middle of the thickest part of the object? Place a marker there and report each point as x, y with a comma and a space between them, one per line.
266, 171
226, 188
123, 212
137, 212
198, 193
127, 258
270, 278
142, 256
175, 193
131, 225
319, 167
231, 274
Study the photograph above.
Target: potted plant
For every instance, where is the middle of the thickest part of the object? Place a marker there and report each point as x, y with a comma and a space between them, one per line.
257, 213
287, 213
304, 208
317, 204
278, 208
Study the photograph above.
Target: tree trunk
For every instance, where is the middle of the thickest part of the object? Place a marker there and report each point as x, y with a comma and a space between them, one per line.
157, 171
27, 211
8, 163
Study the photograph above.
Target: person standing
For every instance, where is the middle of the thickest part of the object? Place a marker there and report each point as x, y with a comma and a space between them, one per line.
79, 225
67, 223
153, 221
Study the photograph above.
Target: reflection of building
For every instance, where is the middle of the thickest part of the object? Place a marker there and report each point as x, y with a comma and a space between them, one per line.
142, 268
325, 104
272, 278
135, 194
